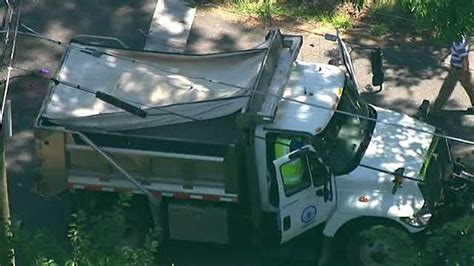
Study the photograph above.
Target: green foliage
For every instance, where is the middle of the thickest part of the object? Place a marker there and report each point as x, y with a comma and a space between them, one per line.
389, 10
145, 255
307, 10
341, 20
451, 244
262, 9
394, 243
94, 240
97, 240
447, 18
40, 248
378, 30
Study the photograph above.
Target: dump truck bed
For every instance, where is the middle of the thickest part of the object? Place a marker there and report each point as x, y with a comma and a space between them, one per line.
170, 88
168, 167
187, 145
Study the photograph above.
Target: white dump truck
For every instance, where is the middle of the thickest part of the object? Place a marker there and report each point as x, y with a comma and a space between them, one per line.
247, 142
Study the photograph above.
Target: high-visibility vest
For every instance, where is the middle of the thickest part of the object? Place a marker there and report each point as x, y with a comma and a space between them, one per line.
292, 172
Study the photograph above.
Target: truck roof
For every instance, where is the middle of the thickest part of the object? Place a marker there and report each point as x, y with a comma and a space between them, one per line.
320, 87
171, 88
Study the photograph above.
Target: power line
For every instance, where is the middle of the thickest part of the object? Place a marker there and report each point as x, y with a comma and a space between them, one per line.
88, 90
132, 60
456, 139
91, 91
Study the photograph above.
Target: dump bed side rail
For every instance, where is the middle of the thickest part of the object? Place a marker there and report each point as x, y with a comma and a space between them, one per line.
68, 163
276, 68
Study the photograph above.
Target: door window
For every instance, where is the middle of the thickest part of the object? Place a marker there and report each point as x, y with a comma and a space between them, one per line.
295, 175
319, 171
279, 145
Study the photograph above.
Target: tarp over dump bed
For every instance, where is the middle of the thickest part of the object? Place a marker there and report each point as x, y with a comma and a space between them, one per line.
171, 88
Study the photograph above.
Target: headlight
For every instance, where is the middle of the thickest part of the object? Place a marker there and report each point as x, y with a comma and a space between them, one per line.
419, 219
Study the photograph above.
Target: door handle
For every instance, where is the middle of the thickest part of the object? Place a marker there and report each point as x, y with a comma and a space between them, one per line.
286, 223
324, 193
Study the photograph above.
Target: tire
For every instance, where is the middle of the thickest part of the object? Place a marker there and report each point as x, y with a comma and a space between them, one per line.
381, 245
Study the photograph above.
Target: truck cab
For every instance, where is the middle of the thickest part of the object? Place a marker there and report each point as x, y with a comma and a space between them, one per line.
225, 139
357, 160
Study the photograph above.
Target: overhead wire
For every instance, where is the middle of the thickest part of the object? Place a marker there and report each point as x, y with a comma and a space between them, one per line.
416, 129
133, 60
6, 21
88, 90
91, 91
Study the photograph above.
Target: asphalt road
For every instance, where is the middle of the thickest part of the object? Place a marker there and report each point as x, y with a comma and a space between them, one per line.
412, 74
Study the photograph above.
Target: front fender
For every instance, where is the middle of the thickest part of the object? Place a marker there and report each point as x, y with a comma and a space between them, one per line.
339, 219
357, 203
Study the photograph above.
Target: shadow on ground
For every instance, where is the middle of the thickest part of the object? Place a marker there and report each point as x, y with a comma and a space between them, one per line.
59, 20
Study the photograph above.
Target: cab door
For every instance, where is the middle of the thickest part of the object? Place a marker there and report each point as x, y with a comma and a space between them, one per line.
304, 202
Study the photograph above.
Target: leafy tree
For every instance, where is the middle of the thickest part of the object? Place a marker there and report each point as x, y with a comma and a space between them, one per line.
447, 18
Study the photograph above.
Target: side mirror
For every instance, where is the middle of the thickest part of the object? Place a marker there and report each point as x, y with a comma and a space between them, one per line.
458, 166
330, 37
398, 180
335, 62
423, 110
376, 59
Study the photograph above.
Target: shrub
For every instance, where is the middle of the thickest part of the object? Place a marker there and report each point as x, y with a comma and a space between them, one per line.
378, 30
262, 9
93, 240
451, 244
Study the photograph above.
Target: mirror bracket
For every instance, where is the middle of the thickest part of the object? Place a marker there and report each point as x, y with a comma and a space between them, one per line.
301, 152
376, 60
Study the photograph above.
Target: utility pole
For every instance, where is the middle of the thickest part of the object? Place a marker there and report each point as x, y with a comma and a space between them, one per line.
10, 23
5, 233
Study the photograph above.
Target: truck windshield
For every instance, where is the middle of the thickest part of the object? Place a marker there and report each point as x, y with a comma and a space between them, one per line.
344, 140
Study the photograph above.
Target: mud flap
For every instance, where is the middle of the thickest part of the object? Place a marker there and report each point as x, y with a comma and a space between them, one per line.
50, 148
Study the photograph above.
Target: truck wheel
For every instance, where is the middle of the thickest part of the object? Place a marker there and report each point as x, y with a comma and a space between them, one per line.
381, 245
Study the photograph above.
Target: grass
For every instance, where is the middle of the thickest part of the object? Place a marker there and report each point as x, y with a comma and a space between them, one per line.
384, 14
378, 30
388, 6
341, 20
390, 10
291, 10
388, 15
265, 10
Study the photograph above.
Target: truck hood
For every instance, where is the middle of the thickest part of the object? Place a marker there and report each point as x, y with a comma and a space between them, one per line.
392, 147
